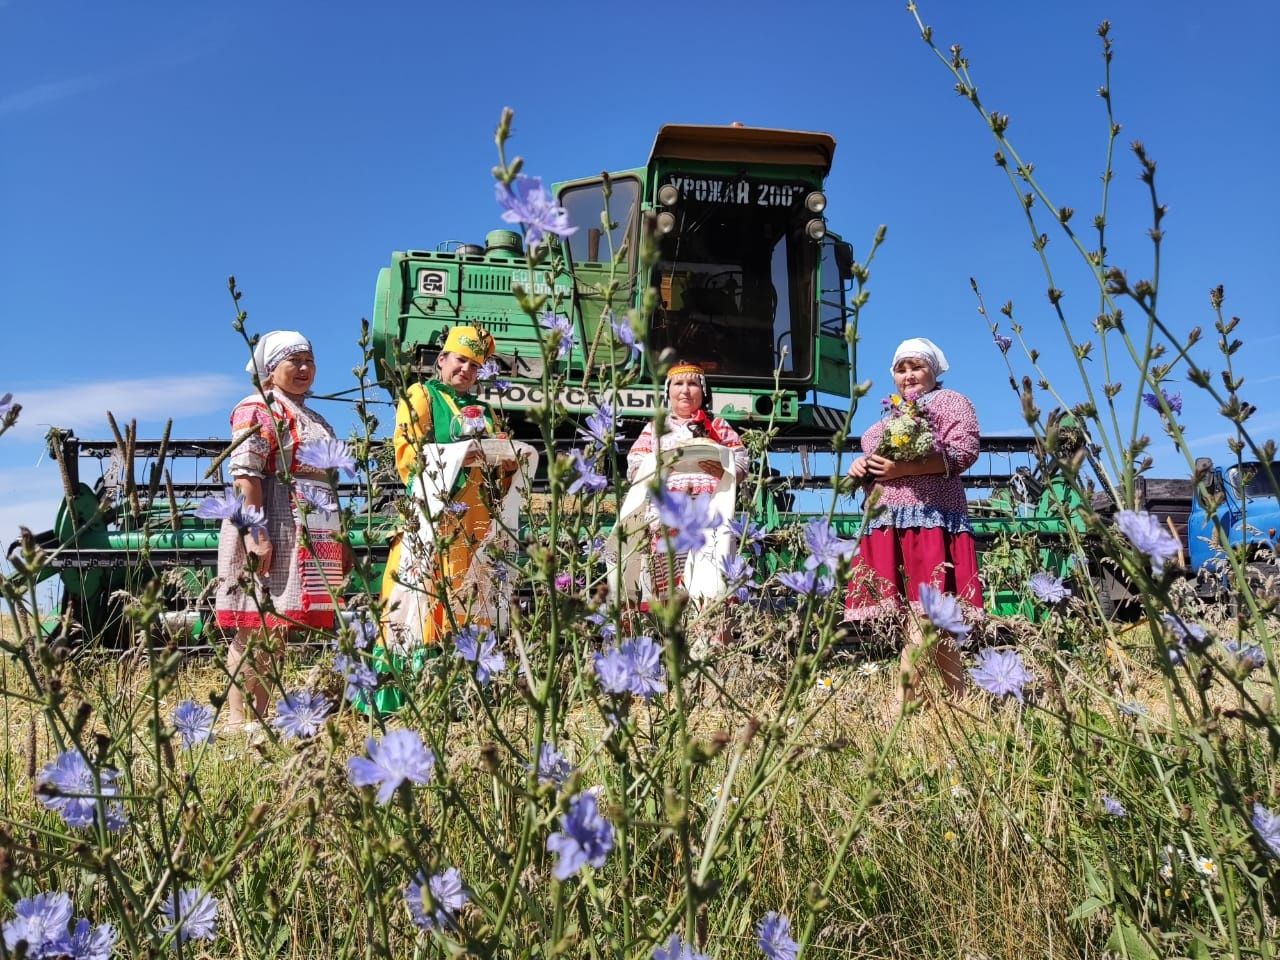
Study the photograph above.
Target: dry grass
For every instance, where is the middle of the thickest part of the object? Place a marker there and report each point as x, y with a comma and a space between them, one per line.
973, 846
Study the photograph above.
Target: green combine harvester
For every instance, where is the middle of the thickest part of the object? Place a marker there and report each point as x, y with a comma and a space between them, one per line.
751, 283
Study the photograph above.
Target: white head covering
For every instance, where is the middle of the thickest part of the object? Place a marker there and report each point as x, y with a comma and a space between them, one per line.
272, 348
924, 349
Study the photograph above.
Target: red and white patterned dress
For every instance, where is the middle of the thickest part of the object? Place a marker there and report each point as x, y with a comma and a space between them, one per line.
297, 588
923, 534
695, 483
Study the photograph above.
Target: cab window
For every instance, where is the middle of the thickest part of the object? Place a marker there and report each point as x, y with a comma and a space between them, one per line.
590, 244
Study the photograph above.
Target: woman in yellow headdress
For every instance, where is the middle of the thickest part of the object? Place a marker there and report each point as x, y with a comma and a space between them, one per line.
437, 577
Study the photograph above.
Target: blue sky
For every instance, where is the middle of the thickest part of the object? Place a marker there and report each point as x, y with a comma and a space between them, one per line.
149, 150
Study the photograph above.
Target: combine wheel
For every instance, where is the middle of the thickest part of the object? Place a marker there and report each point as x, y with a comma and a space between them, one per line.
1115, 598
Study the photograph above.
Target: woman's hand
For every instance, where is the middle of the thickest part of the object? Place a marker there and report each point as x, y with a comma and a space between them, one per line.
858, 469
882, 468
257, 544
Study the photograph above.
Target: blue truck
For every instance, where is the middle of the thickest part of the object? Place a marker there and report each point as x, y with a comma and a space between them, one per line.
1249, 513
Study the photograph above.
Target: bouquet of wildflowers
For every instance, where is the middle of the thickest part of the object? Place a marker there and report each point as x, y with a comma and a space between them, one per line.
907, 433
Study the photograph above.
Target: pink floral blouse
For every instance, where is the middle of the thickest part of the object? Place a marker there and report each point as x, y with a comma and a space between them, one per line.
937, 499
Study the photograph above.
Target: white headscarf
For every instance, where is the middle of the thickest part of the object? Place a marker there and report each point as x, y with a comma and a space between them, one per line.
272, 348
924, 349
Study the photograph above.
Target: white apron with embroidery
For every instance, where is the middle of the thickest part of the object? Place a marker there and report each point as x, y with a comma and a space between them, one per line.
430, 494
628, 545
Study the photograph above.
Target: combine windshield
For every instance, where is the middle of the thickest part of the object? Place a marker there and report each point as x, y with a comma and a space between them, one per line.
735, 279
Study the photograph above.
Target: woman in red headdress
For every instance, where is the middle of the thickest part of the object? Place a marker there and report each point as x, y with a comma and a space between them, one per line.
688, 400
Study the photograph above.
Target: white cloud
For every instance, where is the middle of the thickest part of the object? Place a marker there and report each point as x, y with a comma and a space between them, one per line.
84, 406
1258, 427
29, 497
43, 93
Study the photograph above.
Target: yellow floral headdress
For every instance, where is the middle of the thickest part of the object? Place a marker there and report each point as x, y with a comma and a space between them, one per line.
471, 343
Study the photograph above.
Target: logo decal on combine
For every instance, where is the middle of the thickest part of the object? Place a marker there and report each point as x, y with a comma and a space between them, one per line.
432, 282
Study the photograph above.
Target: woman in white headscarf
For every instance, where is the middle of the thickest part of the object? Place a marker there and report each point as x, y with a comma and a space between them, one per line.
290, 585
922, 535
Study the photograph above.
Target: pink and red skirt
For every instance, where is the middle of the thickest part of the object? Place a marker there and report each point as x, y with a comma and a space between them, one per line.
892, 564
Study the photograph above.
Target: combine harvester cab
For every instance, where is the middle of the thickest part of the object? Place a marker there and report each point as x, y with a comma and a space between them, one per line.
749, 281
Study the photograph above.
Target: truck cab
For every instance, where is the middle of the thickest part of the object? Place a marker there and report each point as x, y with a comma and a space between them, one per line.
1249, 514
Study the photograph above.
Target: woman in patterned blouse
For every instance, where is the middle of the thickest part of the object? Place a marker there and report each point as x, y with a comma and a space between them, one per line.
922, 534
290, 585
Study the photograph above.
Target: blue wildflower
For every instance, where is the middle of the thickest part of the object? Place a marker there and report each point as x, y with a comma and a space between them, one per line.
553, 766
1131, 708
435, 903
491, 373
689, 518
193, 723
807, 582
40, 922
648, 678
677, 949
634, 666
588, 480
559, 333
231, 506
300, 713
737, 574
748, 534
1001, 673
593, 549
626, 336
366, 631
613, 670
944, 612
192, 913
1148, 536
526, 202
1048, 588
67, 786
480, 647
826, 549
1002, 342
600, 619
1268, 826
585, 836
773, 934
397, 758
1252, 657
319, 497
361, 678
1172, 400
88, 942
601, 426
328, 454
1186, 636
1113, 807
